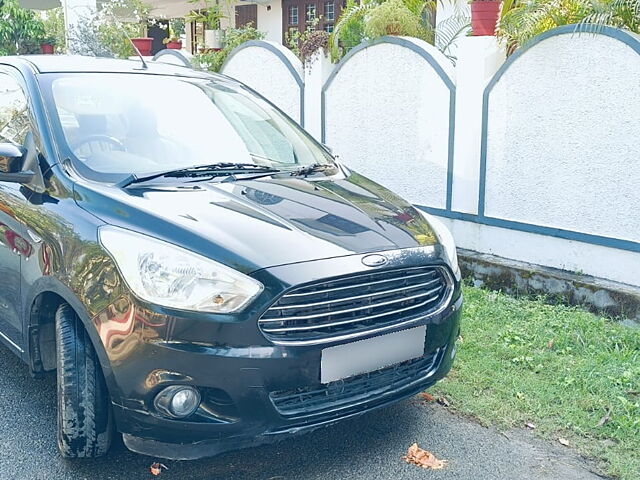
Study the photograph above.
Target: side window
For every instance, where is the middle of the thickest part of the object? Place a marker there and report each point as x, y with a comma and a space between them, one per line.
14, 112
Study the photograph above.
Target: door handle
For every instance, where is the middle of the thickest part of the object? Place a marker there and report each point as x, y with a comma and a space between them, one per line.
35, 237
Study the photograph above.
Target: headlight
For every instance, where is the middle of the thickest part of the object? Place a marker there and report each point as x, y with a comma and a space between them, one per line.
446, 240
167, 275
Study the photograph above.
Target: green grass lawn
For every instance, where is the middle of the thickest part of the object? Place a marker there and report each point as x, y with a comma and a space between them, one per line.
560, 368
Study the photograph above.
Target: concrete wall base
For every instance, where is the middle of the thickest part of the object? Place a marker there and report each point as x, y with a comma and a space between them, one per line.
613, 299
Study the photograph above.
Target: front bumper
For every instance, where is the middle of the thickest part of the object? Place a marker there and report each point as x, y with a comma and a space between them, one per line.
239, 374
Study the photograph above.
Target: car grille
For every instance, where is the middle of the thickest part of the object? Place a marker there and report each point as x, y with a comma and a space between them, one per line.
336, 398
357, 303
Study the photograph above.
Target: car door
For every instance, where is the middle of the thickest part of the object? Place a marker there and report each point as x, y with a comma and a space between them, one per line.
15, 123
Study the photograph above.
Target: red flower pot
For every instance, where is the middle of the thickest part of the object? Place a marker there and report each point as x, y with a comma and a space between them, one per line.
484, 16
143, 45
174, 45
46, 49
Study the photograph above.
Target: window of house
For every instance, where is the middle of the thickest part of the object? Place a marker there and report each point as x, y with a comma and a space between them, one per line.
321, 14
293, 15
14, 112
310, 12
329, 12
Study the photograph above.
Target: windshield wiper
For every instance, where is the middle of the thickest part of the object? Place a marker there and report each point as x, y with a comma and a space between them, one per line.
212, 170
307, 170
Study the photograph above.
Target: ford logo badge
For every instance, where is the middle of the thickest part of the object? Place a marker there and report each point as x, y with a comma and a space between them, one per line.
374, 260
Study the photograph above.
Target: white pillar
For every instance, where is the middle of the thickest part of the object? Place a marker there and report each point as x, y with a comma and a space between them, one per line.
316, 71
478, 60
75, 11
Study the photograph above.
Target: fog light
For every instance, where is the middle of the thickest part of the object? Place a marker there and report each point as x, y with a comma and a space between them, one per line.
177, 401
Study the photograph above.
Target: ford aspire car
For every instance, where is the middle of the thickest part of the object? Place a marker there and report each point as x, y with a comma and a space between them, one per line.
200, 273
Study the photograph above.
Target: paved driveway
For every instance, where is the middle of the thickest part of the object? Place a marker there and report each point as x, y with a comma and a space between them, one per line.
366, 448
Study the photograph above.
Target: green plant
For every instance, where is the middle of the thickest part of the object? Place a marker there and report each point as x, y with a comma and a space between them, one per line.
210, 14
316, 40
305, 44
563, 369
450, 29
176, 30
20, 29
54, 29
373, 19
394, 17
349, 29
213, 61
521, 21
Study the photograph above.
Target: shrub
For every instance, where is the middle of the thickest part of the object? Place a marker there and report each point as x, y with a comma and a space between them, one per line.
54, 28
520, 21
304, 45
313, 42
213, 61
20, 29
371, 19
393, 18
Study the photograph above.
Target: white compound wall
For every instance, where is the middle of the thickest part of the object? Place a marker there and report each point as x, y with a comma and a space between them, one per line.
272, 70
536, 158
387, 114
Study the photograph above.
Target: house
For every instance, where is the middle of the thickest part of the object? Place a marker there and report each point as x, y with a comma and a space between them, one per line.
273, 17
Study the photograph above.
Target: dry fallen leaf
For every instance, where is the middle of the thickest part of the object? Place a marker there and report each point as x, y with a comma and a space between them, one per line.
156, 468
417, 456
563, 441
605, 419
427, 397
443, 401
530, 426
550, 344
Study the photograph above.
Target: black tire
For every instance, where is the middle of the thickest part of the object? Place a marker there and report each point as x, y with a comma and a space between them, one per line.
85, 426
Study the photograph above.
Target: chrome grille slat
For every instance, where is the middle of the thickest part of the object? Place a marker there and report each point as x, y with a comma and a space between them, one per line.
342, 307
356, 297
354, 309
345, 322
331, 290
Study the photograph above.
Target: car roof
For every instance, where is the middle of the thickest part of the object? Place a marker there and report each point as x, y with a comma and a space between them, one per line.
82, 64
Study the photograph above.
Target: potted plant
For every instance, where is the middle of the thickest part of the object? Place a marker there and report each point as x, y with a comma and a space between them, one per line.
484, 16
135, 14
210, 15
176, 29
173, 43
47, 45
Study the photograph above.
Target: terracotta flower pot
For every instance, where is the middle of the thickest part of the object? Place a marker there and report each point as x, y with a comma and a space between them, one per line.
143, 45
174, 45
46, 49
484, 16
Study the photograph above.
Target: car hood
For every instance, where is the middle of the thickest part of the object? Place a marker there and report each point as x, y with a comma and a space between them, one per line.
265, 222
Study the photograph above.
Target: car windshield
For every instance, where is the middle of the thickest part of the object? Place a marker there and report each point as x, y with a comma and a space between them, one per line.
116, 125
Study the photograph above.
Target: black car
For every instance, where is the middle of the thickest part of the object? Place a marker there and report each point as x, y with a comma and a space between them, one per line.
201, 274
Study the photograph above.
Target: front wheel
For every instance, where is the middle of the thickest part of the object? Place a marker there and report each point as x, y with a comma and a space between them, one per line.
85, 427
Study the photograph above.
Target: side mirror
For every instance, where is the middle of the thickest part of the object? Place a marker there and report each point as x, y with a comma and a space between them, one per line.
11, 163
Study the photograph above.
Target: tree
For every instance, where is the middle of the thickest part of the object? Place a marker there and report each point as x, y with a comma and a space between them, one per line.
20, 29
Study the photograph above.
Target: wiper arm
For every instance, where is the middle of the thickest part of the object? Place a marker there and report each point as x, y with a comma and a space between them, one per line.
307, 170
215, 169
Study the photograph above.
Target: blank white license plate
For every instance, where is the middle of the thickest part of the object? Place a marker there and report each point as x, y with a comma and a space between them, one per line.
343, 361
